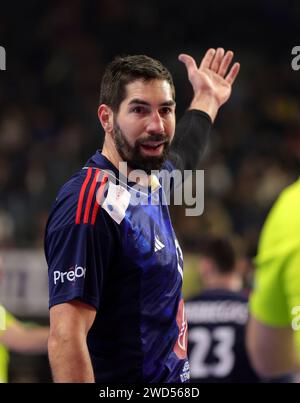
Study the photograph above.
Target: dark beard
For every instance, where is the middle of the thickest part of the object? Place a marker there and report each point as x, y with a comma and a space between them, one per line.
132, 154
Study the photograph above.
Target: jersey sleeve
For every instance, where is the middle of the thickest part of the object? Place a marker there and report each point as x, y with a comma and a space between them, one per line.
189, 144
6, 318
276, 297
292, 291
190, 141
268, 300
78, 258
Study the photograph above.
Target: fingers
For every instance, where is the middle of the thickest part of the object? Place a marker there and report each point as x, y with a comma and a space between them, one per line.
219, 63
217, 60
231, 76
189, 62
207, 59
225, 63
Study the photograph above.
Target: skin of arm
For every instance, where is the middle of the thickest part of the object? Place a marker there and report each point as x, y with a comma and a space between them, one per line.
271, 349
27, 340
210, 81
67, 346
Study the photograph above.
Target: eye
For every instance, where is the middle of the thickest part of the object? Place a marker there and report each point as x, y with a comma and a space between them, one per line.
138, 109
166, 110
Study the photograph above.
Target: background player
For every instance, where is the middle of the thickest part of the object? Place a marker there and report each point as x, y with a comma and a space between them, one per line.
217, 319
18, 337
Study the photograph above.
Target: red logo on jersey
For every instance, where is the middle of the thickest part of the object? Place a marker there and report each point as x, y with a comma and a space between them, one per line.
180, 348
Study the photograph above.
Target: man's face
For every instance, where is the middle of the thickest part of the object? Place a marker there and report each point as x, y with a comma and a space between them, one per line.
145, 123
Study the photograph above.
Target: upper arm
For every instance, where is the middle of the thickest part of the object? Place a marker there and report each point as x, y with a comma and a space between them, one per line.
67, 344
292, 292
271, 348
273, 345
79, 242
268, 302
74, 317
78, 258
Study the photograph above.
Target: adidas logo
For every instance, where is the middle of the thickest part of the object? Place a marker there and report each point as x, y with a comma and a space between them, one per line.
158, 245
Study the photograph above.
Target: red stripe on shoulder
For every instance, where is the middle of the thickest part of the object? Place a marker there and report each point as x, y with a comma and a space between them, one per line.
98, 199
90, 197
81, 195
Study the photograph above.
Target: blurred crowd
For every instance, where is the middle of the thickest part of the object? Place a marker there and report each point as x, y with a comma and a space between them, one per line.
56, 53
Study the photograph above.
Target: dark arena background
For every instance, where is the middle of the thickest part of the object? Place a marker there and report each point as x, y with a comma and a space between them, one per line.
55, 56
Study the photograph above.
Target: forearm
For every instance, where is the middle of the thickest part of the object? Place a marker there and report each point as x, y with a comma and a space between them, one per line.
34, 340
26, 340
206, 103
70, 360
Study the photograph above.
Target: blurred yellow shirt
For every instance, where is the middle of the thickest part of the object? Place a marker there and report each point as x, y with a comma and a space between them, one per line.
276, 296
6, 319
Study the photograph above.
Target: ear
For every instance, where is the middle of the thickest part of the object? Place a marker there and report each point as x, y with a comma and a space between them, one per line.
105, 115
206, 266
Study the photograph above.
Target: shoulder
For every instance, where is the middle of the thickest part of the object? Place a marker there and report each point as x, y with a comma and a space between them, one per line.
219, 295
280, 233
78, 201
288, 198
6, 318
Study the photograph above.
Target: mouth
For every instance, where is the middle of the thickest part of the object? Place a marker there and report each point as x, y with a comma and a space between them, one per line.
153, 148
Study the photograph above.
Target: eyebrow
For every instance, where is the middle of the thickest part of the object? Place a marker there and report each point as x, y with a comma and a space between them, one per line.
142, 102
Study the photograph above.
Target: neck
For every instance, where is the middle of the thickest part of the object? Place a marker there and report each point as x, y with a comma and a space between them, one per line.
226, 282
110, 152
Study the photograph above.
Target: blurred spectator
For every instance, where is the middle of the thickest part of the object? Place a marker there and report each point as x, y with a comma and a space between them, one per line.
18, 337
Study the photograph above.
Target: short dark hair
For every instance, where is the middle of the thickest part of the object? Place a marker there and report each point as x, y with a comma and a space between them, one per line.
220, 251
126, 69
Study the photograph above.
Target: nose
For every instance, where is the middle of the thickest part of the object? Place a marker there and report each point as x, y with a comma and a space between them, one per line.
155, 124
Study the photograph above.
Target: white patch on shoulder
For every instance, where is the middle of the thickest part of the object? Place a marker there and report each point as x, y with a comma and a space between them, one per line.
116, 202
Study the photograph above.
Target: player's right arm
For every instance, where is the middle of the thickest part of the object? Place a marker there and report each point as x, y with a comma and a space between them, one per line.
68, 352
79, 245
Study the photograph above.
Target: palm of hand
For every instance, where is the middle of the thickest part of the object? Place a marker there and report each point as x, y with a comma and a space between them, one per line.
212, 77
207, 80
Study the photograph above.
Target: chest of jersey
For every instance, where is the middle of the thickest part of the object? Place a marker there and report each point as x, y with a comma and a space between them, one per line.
151, 248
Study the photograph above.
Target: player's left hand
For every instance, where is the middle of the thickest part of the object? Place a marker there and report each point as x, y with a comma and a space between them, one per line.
211, 81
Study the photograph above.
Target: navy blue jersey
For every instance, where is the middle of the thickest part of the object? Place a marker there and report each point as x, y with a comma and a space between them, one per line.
216, 341
125, 261
123, 258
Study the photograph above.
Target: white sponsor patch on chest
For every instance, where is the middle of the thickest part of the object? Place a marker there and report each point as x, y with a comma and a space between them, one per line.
116, 202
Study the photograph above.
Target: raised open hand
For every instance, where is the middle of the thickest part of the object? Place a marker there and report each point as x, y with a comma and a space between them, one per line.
211, 80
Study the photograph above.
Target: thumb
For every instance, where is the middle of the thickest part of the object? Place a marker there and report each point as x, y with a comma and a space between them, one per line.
189, 62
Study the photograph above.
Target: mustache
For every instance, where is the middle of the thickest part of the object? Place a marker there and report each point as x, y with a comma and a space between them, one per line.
154, 137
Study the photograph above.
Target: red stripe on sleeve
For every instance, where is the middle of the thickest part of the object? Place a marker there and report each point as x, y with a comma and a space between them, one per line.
81, 195
99, 197
90, 197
